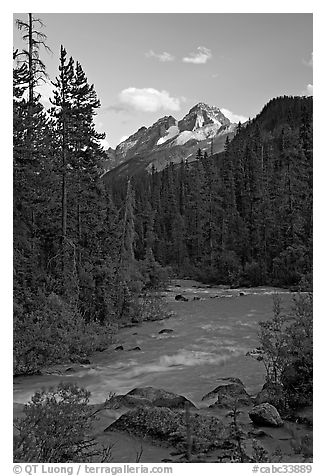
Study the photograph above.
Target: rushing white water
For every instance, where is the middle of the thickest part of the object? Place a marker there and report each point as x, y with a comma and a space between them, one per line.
210, 339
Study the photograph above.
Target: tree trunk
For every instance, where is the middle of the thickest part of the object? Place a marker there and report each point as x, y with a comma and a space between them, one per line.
64, 207
30, 86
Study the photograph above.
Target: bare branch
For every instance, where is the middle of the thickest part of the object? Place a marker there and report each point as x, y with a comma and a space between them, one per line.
21, 24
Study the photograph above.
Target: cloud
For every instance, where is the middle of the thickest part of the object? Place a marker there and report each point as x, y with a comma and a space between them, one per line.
310, 62
308, 91
163, 57
149, 100
116, 108
234, 117
201, 56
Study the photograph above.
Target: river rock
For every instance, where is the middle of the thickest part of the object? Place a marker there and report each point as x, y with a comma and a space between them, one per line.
166, 331
229, 393
196, 298
120, 347
164, 424
257, 353
135, 348
258, 434
179, 297
160, 398
128, 401
70, 370
271, 393
265, 415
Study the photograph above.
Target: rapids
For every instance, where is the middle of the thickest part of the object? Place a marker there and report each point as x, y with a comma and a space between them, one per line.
211, 336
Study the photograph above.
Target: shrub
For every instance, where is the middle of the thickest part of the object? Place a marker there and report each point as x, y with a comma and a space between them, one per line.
290, 265
252, 274
153, 308
57, 428
163, 424
154, 276
53, 333
297, 375
225, 270
286, 342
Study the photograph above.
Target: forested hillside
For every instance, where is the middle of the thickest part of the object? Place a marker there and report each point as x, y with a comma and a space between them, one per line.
75, 276
242, 217
87, 250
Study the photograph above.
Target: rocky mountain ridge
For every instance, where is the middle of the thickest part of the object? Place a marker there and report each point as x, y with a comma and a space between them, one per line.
169, 140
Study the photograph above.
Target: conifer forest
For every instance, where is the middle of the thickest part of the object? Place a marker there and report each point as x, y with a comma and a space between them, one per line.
100, 253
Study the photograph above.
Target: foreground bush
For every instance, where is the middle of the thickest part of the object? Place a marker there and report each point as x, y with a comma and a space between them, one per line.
57, 428
287, 351
167, 425
53, 333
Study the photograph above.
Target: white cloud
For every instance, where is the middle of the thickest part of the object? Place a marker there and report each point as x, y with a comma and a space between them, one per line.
163, 57
310, 62
308, 91
233, 117
149, 100
201, 56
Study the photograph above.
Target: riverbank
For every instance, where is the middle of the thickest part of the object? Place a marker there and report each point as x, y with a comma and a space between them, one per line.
207, 338
143, 432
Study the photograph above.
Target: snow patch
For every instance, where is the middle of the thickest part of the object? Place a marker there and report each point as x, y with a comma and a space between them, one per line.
200, 134
126, 145
170, 133
184, 137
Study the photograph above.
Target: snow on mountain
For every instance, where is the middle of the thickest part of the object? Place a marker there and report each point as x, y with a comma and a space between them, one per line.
201, 133
169, 140
170, 133
200, 115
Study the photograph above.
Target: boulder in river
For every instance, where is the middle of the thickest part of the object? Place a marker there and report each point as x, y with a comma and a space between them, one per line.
160, 398
258, 434
70, 370
265, 415
230, 391
120, 347
271, 393
135, 348
164, 424
150, 397
179, 297
166, 331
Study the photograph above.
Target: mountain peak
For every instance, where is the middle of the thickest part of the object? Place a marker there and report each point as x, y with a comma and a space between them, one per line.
202, 115
203, 106
171, 140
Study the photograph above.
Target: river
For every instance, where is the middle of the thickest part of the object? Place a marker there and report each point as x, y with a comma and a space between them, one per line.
212, 332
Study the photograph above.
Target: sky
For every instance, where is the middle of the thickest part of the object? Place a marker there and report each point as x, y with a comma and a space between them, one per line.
146, 66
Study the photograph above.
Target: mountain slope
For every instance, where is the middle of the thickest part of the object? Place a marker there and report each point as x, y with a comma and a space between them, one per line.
169, 140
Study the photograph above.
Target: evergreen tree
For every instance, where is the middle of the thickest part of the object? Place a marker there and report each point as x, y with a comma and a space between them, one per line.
63, 115
36, 71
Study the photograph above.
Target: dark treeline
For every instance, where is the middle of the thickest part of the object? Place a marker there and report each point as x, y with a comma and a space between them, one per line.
242, 217
75, 275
